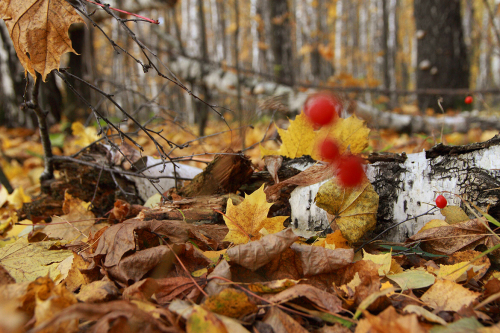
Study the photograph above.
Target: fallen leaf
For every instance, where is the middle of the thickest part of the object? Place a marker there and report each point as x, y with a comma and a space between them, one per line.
463, 325
60, 299
258, 253
454, 214
318, 260
185, 309
275, 286
355, 208
458, 271
413, 279
246, 220
231, 303
297, 140
108, 315
452, 238
434, 223
222, 270
280, 322
18, 198
26, 261
318, 297
120, 238
384, 260
446, 295
84, 136
390, 321
201, 321
469, 255
39, 31
142, 290
98, 292
178, 288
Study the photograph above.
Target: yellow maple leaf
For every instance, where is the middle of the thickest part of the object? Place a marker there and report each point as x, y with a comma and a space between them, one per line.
350, 132
39, 32
298, 139
84, 135
246, 220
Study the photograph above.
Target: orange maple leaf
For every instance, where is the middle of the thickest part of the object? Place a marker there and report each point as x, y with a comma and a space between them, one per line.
39, 31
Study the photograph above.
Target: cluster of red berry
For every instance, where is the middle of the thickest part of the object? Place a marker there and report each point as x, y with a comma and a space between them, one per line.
324, 109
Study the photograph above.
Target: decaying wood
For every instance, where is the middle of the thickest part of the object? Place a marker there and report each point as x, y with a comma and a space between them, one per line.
197, 210
225, 174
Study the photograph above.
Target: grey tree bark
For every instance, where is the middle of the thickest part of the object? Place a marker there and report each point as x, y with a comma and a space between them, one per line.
281, 43
441, 53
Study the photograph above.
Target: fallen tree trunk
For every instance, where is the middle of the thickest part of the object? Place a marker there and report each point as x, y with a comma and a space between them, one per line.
407, 187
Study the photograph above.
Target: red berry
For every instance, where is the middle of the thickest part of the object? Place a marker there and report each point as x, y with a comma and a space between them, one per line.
468, 99
329, 150
350, 172
322, 109
441, 202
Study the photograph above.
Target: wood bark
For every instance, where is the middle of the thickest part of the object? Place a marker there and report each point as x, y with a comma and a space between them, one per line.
408, 185
441, 54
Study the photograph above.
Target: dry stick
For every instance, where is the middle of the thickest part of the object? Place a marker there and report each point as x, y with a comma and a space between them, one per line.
383, 232
48, 172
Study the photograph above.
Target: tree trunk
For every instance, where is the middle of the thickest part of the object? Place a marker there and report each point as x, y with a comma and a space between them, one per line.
202, 108
408, 185
441, 54
281, 44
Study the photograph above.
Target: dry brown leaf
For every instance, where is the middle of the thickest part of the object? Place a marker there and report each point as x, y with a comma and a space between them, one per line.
123, 313
460, 236
222, 270
311, 175
178, 288
390, 321
119, 239
135, 266
142, 290
39, 31
318, 297
60, 298
98, 292
258, 253
281, 322
202, 320
318, 260
447, 295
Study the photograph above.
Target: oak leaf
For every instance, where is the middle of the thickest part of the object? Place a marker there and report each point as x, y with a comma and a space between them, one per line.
39, 31
248, 221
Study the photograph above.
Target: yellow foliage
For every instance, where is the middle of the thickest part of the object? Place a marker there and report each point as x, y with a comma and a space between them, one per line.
246, 221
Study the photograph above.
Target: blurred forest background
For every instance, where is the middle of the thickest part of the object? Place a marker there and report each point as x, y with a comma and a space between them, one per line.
256, 56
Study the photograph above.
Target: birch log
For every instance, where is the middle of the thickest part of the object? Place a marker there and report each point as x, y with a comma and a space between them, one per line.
408, 185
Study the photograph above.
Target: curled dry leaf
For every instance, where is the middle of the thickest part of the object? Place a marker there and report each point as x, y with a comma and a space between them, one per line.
223, 270
119, 239
136, 265
311, 175
258, 253
280, 322
315, 295
459, 236
355, 208
231, 303
39, 31
180, 287
98, 292
318, 260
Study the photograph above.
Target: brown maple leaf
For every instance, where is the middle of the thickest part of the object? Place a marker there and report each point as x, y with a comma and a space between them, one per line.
39, 31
